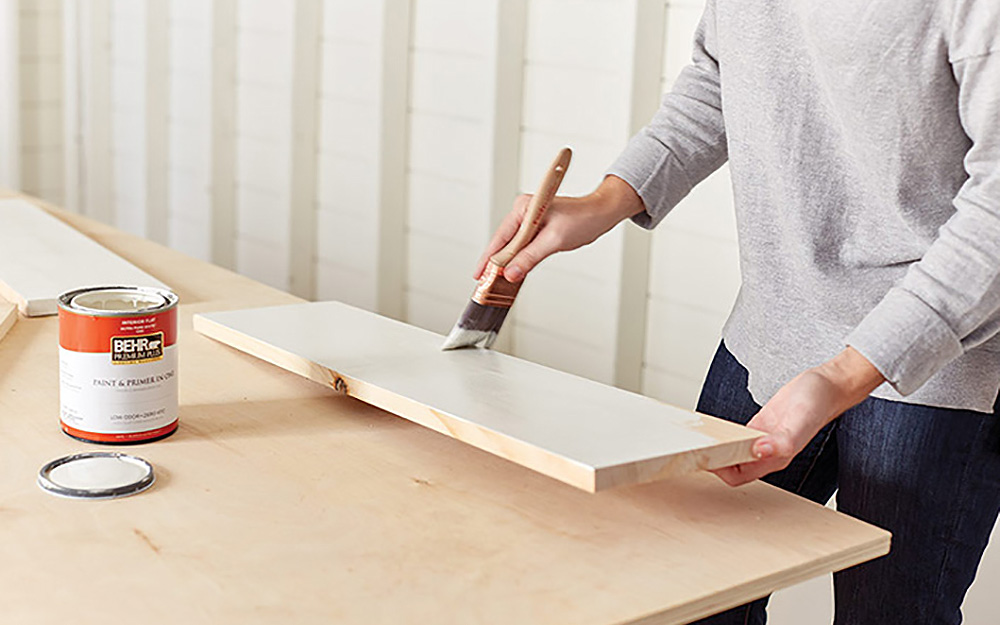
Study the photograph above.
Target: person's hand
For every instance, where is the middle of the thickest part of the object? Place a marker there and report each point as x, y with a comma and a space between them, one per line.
569, 223
800, 409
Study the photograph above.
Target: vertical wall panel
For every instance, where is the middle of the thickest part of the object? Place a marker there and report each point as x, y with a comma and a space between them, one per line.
223, 120
157, 100
647, 68
504, 99
577, 73
72, 109
264, 56
128, 114
449, 156
189, 127
393, 134
360, 252
10, 100
41, 99
96, 148
306, 67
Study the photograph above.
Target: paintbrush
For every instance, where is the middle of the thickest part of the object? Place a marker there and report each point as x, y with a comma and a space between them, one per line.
494, 294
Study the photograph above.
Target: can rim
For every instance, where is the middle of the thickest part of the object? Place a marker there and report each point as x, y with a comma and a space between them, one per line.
65, 300
47, 484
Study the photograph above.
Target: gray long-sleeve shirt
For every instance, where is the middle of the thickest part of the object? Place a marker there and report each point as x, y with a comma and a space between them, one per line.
864, 143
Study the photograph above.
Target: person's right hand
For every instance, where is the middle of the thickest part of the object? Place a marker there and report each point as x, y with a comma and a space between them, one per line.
569, 223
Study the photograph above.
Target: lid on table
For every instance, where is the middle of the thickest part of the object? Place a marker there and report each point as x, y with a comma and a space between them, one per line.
96, 475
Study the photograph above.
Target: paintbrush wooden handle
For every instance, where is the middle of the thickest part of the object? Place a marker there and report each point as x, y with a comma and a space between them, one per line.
536, 209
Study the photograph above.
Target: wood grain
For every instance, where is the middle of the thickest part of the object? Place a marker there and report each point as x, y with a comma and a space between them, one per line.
41, 257
281, 501
575, 430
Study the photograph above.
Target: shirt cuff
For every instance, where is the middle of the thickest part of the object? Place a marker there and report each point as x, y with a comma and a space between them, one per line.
906, 340
655, 174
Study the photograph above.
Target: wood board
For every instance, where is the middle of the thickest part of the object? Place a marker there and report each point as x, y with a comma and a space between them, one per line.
42, 257
8, 316
581, 432
281, 501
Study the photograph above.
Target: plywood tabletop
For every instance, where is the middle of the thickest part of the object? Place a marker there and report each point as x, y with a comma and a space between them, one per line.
281, 501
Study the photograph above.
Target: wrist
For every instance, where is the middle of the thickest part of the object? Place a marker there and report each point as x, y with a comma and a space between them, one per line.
853, 375
617, 199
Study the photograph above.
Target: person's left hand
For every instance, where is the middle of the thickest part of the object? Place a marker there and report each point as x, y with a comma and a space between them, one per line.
800, 409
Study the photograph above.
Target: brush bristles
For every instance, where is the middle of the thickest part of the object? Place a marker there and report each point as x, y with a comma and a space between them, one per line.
478, 326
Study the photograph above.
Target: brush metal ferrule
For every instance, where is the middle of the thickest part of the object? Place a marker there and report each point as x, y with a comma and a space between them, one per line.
495, 290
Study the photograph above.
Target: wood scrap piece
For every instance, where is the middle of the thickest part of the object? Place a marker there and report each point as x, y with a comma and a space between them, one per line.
41, 257
581, 432
8, 316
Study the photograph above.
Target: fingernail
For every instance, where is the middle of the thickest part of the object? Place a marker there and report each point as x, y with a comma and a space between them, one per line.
512, 273
764, 450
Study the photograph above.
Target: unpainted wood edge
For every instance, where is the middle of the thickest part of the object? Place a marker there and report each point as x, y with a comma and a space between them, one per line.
12, 296
660, 467
41, 308
529, 456
8, 317
764, 586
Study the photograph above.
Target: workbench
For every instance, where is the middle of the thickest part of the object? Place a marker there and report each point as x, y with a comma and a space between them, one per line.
281, 501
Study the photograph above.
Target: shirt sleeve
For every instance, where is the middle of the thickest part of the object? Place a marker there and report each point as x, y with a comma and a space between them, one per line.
948, 302
686, 139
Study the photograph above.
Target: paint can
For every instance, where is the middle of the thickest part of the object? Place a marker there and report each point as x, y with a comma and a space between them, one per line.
118, 364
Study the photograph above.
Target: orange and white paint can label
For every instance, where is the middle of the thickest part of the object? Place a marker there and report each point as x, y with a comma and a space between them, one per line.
118, 364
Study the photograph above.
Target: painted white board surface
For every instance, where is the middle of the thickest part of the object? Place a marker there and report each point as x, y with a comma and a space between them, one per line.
41, 257
575, 430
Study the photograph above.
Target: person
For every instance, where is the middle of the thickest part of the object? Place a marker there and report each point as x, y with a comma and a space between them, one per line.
864, 144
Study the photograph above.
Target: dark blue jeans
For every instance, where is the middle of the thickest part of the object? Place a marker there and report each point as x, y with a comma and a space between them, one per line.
929, 475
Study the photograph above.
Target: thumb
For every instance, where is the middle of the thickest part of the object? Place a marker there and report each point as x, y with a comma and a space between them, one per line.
763, 447
540, 248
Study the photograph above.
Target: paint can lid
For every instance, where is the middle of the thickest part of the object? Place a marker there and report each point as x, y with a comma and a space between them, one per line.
118, 300
96, 475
